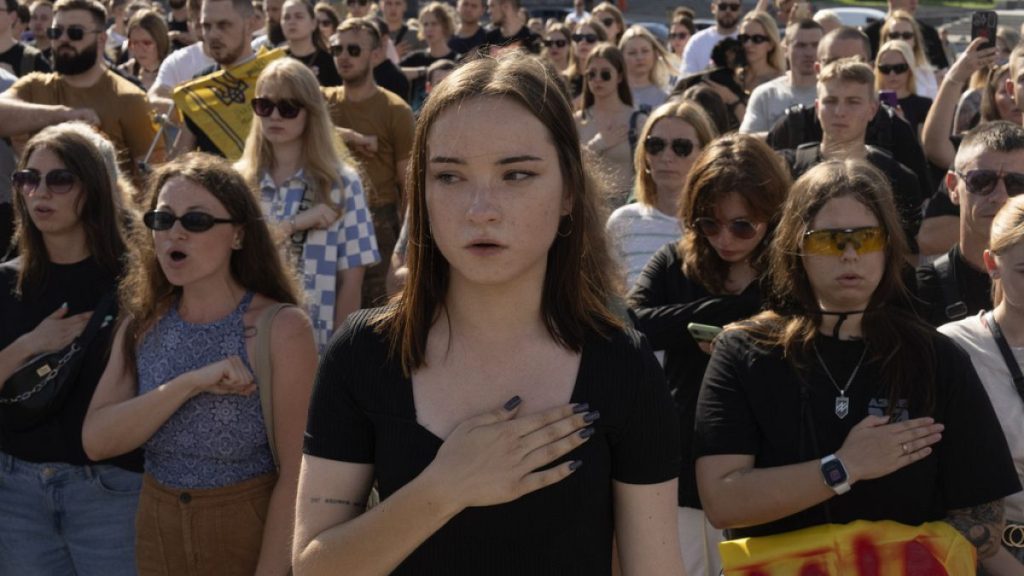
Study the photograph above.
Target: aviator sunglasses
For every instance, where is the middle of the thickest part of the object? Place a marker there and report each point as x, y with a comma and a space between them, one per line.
740, 228
681, 146
983, 182
755, 38
58, 181
834, 241
75, 32
354, 50
901, 35
192, 221
728, 6
264, 107
887, 69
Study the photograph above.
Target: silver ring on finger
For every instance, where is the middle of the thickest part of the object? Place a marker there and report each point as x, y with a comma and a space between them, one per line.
906, 448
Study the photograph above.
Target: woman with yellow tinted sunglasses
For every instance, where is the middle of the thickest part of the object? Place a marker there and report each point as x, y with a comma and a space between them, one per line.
839, 404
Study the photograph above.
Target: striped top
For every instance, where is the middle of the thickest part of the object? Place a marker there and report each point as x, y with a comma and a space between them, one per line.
636, 232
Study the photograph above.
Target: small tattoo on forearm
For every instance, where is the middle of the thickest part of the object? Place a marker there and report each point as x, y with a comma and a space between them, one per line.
318, 500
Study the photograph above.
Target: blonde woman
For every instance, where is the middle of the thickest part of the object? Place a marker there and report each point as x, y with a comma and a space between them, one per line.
588, 34
648, 68
611, 18
894, 70
670, 141
308, 186
558, 47
901, 25
766, 60
437, 26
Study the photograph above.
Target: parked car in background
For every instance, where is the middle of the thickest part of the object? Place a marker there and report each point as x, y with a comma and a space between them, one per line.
858, 17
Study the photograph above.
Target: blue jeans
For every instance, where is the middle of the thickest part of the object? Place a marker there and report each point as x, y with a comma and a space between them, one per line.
59, 519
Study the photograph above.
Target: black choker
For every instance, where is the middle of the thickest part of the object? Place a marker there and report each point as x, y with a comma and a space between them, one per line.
842, 318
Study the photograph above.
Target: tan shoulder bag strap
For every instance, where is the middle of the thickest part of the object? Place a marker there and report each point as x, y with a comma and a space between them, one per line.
264, 372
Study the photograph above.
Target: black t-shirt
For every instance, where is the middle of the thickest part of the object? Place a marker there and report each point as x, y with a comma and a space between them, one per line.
362, 410
496, 38
15, 58
973, 286
422, 58
322, 65
750, 403
665, 301
461, 45
932, 42
390, 77
81, 285
915, 108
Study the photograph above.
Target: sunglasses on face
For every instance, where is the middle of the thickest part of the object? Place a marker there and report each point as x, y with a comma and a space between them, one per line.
983, 182
608, 22
75, 32
901, 35
681, 146
356, 2
192, 221
264, 107
727, 6
354, 50
887, 69
58, 181
678, 35
588, 38
833, 242
606, 75
556, 43
755, 38
740, 228
324, 23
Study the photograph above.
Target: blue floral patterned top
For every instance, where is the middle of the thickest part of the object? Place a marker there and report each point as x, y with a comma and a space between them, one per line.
213, 440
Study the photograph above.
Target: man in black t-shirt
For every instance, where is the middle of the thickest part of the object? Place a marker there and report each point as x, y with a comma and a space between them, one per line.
177, 24
508, 25
957, 284
470, 33
15, 56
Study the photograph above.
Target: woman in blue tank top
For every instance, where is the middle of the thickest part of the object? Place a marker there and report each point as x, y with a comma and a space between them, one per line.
180, 379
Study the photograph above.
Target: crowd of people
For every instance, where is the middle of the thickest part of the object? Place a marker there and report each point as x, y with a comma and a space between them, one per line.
377, 287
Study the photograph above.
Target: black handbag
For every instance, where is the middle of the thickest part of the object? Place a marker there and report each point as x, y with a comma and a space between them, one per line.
38, 388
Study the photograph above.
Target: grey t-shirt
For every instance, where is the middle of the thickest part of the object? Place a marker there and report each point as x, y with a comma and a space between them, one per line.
769, 101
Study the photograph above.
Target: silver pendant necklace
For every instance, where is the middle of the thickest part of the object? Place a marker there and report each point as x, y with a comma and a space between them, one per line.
842, 401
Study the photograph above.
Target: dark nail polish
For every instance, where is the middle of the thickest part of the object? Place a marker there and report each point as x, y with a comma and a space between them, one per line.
575, 464
580, 408
587, 432
591, 416
512, 403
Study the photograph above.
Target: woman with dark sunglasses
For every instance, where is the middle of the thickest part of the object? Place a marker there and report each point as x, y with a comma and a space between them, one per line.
901, 25
221, 472
586, 37
310, 189
558, 47
839, 404
611, 18
765, 57
66, 512
895, 71
306, 42
732, 198
327, 21
670, 141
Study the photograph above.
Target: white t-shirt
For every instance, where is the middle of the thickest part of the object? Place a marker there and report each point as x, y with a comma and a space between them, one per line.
769, 101
925, 84
974, 337
636, 232
182, 65
697, 54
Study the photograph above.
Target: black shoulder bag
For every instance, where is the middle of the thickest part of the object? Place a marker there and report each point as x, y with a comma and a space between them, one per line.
1008, 357
38, 388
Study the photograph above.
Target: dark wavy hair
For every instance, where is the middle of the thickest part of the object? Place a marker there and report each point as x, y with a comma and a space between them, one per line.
578, 285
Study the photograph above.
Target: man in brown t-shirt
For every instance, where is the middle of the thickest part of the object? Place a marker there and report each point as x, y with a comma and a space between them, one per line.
83, 80
378, 126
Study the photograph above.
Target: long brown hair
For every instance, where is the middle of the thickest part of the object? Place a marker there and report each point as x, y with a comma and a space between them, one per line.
894, 336
577, 284
733, 164
614, 57
98, 207
146, 294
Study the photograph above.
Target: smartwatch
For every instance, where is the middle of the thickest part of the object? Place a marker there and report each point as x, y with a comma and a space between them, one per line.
834, 473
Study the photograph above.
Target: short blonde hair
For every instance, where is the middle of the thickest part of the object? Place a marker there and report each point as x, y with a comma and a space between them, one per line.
904, 50
849, 70
1007, 232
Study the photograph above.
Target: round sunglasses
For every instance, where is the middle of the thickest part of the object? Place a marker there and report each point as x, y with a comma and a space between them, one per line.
887, 69
264, 107
755, 38
605, 75
159, 221
740, 228
682, 147
983, 182
834, 241
59, 181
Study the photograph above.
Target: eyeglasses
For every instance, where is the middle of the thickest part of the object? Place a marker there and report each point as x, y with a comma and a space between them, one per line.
755, 38
606, 75
59, 181
588, 38
983, 182
264, 107
359, 2
354, 50
901, 35
192, 221
740, 228
608, 22
555, 43
834, 241
75, 32
681, 146
728, 6
678, 35
887, 69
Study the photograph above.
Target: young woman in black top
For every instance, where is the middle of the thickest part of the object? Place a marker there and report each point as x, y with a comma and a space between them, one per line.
305, 42
63, 513
509, 419
733, 196
840, 404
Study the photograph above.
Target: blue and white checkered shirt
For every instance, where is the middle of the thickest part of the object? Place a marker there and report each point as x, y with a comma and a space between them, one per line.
349, 242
